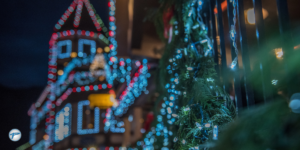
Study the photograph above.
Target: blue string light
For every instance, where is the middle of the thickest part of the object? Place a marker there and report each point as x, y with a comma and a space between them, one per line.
233, 36
32, 137
60, 44
82, 131
82, 42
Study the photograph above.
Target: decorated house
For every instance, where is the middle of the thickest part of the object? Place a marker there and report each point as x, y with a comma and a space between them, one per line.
93, 99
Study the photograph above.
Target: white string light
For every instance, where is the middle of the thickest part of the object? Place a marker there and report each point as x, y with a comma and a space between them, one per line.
233, 35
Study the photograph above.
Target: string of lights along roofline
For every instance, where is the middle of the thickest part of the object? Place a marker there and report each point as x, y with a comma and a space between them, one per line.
53, 54
136, 86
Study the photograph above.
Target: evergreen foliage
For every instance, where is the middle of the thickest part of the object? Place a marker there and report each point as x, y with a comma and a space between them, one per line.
192, 103
271, 126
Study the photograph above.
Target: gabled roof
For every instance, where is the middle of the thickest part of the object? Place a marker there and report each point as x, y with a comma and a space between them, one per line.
81, 15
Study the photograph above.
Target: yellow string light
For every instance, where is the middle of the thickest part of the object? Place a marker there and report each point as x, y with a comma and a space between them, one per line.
99, 50
73, 54
106, 49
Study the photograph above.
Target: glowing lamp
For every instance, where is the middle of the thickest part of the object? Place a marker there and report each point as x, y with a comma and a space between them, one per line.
103, 101
251, 16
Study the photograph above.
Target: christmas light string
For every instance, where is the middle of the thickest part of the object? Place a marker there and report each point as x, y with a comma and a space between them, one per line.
81, 89
78, 13
133, 90
53, 57
36, 117
82, 131
105, 148
168, 111
79, 5
117, 69
65, 16
233, 35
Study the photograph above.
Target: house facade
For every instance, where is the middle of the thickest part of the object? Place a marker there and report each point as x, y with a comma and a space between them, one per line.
93, 99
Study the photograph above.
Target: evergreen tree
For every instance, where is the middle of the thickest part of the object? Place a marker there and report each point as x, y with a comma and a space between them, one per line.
192, 105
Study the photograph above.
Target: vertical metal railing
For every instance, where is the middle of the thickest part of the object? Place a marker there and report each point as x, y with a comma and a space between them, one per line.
212, 5
287, 43
222, 44
217, 28
284, 26
261, 42
236, 72
244, 52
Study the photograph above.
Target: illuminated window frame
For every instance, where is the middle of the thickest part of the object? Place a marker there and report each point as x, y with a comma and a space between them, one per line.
81, 42
81, 131
60, 44
61, 128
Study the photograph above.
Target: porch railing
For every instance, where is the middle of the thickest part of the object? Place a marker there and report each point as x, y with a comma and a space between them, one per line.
244, 94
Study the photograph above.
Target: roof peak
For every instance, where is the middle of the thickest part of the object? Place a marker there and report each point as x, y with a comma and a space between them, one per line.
77, 7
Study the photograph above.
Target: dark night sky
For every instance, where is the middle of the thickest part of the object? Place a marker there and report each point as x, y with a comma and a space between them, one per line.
25, 30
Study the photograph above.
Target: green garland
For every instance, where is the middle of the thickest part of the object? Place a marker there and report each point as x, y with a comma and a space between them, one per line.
189, 82
271, 126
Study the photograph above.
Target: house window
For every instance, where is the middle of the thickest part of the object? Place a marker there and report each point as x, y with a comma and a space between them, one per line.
64, 49
86, 47
88, 119
63, 123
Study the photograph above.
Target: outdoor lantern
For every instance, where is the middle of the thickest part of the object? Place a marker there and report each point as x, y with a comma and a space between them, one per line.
103, 101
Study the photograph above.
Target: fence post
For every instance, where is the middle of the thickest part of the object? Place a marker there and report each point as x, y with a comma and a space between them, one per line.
244, 53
